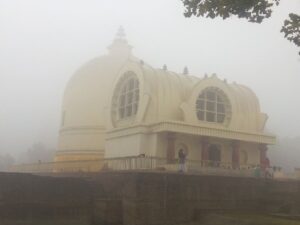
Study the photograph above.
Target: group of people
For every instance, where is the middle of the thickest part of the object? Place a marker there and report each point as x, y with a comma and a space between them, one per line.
259, 171
266, 172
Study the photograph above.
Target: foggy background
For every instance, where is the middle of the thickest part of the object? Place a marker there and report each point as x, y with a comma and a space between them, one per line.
42, 43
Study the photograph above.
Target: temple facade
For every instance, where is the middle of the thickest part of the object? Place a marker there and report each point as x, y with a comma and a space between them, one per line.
117, 106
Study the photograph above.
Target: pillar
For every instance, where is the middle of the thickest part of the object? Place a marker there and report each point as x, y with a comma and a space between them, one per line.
235, 154
171, 147
264, 161
204, 150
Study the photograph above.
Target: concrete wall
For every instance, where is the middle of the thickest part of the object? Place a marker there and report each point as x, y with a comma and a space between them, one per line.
27, 199
138, 198
172, 198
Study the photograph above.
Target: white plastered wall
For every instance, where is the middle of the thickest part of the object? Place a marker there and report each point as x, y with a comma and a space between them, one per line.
253, 154
131, 145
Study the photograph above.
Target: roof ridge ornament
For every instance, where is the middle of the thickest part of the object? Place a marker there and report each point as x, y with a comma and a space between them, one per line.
185, 70
121, 33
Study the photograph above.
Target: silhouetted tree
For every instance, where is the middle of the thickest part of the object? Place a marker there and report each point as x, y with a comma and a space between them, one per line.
38, 152
253, 10
6, 161
291, 29
286, 153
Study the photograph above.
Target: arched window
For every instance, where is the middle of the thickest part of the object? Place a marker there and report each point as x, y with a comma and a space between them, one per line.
212, 105
128, 99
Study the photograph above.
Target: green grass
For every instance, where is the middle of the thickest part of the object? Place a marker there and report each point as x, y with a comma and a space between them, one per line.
245, 219
209, 219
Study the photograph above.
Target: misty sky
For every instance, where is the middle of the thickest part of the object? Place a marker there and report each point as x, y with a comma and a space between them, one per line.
42, 43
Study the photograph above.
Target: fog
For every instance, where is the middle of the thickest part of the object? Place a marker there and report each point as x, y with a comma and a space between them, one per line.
42, 43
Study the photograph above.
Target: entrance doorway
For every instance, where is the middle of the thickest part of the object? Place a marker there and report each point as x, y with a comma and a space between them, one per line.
214, 155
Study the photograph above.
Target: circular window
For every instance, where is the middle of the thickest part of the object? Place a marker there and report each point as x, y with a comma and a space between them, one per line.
212, 105
127, 96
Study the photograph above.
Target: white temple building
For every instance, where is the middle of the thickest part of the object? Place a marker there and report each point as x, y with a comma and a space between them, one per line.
117, 106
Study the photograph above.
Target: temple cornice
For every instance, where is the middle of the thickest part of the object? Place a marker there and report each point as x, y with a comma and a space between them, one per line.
197, 130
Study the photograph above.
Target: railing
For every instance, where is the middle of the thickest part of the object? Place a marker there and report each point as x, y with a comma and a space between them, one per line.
136, 163
59, 167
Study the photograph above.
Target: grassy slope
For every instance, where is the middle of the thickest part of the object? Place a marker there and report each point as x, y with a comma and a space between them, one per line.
243, 219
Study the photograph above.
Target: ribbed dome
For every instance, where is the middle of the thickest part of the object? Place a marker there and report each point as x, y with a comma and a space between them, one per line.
168, 96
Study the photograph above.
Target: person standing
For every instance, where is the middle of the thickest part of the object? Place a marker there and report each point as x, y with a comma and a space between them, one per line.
182, 158
257, 171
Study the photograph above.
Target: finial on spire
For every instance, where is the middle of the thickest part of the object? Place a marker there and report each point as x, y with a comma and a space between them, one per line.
165, 67
120, 46
185, 70
121, 33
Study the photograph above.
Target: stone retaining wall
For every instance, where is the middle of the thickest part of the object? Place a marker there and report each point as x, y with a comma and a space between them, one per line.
139, 198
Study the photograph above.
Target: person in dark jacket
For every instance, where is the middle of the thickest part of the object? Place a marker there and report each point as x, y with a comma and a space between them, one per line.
182, 157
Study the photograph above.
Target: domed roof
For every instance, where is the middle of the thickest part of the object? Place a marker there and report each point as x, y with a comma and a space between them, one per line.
85, 99
87, 92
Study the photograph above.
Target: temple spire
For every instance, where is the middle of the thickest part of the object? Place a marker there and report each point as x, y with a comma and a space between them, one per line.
121, 33
120, 47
